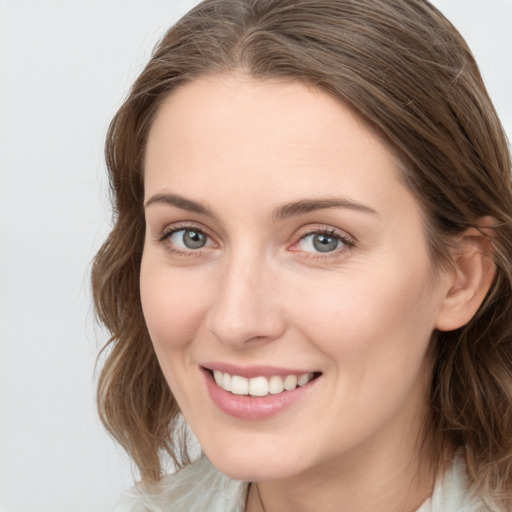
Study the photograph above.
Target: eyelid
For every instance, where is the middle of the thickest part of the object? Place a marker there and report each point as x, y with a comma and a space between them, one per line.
182, 225
325, 228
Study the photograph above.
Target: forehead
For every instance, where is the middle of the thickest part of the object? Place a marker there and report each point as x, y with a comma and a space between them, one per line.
256, 105
235, 135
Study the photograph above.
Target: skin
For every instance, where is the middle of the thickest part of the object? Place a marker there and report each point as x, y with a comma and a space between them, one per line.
259, 294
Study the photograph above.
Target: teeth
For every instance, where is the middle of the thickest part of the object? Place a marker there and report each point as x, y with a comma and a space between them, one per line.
304, 379
290, 382
226, 382
219, 377
259, 386
239, 385
275, 385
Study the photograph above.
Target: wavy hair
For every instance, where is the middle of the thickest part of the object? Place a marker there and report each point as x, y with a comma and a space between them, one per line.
404, 68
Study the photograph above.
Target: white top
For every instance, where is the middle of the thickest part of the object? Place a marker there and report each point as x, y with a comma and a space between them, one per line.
202, 488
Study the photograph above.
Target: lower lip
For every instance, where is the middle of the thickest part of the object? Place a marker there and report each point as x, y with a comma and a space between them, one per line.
250, 407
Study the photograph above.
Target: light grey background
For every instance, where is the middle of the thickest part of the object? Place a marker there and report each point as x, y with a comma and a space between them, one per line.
65, 67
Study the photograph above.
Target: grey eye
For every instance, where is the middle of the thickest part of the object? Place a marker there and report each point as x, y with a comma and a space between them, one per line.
194, 239
189, 239
325, 243
320, 242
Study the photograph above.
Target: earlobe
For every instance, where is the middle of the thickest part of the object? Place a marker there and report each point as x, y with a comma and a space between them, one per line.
471, 276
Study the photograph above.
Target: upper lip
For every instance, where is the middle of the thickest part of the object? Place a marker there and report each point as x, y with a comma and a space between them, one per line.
255, 370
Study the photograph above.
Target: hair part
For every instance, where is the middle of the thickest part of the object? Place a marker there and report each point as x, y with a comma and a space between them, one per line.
410, 75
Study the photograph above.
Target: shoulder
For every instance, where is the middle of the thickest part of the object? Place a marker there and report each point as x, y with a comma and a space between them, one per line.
452, 492
197, 488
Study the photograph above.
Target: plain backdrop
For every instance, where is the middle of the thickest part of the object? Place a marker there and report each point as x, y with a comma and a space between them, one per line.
65, 66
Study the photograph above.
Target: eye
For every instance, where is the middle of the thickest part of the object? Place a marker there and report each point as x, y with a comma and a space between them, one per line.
320, 242
323, 241
186, 239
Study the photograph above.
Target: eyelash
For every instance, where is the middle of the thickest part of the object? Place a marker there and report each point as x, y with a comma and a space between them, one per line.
347, 241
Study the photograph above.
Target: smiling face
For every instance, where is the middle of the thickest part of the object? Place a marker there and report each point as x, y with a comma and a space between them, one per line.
282, 248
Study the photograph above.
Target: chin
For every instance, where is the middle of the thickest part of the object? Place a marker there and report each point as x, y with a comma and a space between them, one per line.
250, 472
251, 463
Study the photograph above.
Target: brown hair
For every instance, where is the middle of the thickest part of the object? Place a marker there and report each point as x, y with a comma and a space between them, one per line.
406, 70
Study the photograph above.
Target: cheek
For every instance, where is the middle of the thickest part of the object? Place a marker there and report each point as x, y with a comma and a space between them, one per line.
173, 305
377, 317
375, 334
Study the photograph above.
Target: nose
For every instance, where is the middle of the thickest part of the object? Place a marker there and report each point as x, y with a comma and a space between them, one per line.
245, 312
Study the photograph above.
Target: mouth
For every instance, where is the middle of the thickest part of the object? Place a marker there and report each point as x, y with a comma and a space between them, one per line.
260, 386
260, 393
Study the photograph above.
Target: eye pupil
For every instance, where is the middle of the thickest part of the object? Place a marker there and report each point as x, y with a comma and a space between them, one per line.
194, 239
325, 243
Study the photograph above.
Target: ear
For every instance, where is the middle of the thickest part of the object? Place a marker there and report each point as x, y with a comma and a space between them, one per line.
470, 277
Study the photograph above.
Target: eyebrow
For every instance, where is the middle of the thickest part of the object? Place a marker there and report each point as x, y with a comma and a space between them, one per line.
180, 202
309, 205
287, 210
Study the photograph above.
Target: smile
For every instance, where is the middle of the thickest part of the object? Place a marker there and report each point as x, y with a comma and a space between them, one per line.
261, 392
260, 386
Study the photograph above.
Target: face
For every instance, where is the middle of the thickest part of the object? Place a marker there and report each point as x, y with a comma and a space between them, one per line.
285, 281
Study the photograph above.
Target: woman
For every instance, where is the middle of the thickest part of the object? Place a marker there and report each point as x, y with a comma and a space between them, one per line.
311, 262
